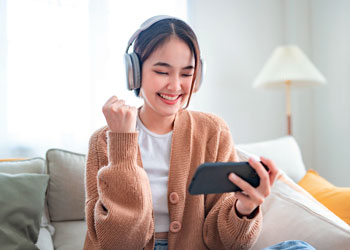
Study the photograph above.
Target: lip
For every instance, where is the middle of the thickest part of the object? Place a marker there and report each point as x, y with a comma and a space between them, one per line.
170, 102
171, 95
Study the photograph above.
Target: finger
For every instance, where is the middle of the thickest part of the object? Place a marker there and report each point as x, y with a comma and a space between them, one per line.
243, 197
263, 174
108, 102
133, 109
117, 105
242, 184
111, 100
273, 170
249, 192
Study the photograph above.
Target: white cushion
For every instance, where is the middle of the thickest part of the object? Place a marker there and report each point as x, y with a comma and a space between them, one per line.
283, 151
291, 213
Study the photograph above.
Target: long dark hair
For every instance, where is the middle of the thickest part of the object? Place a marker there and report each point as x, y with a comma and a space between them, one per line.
158, 33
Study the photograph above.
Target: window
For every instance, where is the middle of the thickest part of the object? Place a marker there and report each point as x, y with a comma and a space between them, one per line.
64, 60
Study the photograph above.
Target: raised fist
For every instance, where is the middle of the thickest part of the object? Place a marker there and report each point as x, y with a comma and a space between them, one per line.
120, 118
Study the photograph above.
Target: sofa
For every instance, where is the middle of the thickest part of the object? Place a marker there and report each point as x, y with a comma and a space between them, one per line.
290, 212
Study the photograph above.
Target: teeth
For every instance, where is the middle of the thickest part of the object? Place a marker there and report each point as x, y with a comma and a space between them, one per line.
170, 98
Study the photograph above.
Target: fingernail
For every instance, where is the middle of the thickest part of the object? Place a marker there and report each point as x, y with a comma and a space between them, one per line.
233, 175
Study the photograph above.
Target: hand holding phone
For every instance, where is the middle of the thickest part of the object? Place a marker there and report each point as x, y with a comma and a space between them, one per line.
213, 177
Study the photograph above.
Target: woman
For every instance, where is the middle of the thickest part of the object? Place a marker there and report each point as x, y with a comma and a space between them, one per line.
140, 165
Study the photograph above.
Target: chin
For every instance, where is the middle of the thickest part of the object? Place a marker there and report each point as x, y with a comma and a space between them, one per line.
169, 112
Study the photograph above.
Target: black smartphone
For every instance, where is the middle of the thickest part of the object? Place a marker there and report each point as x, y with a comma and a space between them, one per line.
212, 177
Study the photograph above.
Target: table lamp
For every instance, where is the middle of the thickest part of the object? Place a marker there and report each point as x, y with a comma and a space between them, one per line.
288, 66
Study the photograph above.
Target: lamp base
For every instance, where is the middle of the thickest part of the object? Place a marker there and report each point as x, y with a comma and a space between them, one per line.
289, 123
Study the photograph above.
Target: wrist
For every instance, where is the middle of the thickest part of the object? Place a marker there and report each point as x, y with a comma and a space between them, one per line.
241, 212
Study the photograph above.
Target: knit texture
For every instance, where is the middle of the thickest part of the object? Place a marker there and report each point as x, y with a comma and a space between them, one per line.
118, 205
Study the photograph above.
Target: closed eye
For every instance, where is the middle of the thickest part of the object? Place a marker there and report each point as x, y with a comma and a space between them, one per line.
187, 75
160, 72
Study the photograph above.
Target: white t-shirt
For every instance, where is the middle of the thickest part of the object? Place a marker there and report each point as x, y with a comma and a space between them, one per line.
155, 155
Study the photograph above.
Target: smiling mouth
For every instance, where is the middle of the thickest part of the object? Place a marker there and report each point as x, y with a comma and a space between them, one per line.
169, 97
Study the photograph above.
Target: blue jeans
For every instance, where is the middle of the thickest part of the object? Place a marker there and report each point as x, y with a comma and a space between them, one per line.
161, 245
285, 245
291, 245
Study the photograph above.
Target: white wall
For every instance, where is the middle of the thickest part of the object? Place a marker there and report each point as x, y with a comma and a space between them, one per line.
3, 58
331, 51
237, 37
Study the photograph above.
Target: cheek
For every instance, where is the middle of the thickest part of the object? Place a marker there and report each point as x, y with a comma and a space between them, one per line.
187, 85
152, 81
148, 83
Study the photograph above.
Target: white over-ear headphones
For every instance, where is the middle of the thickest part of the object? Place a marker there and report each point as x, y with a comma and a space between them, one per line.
132, 61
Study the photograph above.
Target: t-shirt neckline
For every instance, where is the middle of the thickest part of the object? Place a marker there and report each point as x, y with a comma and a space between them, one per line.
143, 127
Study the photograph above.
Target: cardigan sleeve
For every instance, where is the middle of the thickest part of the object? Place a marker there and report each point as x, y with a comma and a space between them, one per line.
118, 203
222, 225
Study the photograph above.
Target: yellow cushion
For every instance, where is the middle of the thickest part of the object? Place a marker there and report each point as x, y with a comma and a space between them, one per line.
12, 159
336, 199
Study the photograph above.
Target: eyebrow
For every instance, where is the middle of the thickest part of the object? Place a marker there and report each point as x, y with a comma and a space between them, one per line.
164, 64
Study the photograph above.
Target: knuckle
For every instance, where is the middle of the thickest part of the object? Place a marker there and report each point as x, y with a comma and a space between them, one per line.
121, 111
114, 108
259, 200
128, 113
264, 178
248, 188
267, 191
270, 162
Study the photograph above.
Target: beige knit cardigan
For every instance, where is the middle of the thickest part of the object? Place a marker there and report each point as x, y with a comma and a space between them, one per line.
118, 204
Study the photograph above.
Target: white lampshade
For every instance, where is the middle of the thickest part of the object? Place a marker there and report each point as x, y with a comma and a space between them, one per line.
288, 63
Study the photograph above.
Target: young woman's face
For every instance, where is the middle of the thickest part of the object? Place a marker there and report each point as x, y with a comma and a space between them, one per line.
167, 77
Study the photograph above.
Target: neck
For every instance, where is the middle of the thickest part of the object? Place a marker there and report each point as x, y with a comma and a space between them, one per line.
156, 123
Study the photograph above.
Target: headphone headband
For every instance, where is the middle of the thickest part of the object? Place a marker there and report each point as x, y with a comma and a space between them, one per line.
145, 25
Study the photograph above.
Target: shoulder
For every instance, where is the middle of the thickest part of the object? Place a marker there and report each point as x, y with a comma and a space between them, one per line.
208, 120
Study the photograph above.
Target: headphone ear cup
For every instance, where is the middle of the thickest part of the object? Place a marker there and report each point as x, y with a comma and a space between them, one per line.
136, 69
133, 71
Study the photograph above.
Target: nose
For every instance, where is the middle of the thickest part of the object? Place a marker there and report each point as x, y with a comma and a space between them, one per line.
174, 83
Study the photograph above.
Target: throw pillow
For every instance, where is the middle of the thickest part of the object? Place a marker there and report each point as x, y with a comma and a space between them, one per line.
35, 165
336, 199
66, 193
22, 203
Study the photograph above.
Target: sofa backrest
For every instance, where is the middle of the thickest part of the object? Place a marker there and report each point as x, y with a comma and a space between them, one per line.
284, 151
